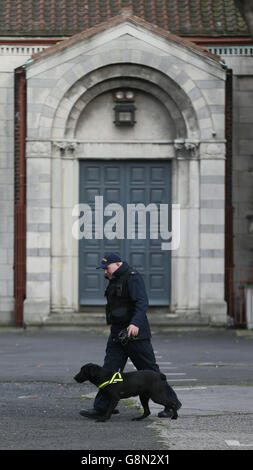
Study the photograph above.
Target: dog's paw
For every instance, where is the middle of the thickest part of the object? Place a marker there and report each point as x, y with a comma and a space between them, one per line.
139, 418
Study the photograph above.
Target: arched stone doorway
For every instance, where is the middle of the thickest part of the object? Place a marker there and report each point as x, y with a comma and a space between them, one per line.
190, 139
165, 118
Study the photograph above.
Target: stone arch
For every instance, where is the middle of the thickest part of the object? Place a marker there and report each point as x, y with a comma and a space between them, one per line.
96, 121
107, 78
190, 99
80, 105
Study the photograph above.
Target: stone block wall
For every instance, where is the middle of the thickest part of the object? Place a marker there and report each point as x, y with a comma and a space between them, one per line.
211, 239
243, 170
242, 162
6, 196
11, 57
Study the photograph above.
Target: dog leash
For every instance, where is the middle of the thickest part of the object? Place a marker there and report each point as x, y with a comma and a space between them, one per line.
113, 380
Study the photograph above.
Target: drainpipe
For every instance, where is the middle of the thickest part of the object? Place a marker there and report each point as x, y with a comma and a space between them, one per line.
20, 195
229, 234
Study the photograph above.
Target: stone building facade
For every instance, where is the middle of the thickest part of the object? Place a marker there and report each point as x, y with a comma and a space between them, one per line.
71, 138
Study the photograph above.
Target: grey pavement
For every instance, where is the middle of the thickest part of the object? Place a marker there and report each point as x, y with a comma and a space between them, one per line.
210, 369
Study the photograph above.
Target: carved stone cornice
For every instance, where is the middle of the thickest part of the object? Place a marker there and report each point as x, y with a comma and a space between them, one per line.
213, 150
67, 149
38, 149
186, 149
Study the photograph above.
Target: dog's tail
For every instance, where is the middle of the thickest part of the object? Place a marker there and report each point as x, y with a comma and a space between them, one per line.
163, 377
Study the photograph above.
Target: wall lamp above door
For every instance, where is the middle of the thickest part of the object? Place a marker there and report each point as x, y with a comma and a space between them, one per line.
124, 108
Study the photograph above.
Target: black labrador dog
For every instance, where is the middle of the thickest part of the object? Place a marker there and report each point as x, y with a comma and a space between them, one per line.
145, 383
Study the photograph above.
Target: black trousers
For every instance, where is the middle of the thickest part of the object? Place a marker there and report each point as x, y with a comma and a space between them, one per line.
142, 356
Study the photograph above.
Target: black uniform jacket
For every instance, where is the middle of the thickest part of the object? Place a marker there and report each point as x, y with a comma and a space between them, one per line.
137, 294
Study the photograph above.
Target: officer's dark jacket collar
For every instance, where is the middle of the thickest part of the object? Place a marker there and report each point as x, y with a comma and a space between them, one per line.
122, 269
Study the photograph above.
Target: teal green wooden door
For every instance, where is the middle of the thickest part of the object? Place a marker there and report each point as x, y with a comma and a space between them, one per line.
123, 183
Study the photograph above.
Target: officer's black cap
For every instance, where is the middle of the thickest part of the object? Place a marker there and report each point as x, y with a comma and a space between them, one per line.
109, 259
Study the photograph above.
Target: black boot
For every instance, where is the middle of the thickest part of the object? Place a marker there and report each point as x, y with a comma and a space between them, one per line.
92, 413
166, 413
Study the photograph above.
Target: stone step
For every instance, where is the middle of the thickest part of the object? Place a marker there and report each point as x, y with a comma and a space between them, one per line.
96, 319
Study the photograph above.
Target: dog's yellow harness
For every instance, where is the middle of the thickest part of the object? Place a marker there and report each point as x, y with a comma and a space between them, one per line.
117, 377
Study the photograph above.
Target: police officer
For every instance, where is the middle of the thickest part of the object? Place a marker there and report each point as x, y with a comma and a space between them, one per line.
126, 308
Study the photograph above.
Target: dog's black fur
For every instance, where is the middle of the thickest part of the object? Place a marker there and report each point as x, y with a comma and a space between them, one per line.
145, 383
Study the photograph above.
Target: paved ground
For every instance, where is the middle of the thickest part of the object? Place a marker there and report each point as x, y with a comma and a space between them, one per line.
210, 369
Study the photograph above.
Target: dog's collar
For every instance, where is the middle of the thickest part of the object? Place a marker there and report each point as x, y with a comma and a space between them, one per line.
117, 377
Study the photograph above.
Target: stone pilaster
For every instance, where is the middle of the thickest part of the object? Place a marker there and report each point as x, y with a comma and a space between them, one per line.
212, 231
37, 303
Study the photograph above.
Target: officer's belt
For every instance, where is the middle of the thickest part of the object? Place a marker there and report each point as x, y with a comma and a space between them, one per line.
113, 380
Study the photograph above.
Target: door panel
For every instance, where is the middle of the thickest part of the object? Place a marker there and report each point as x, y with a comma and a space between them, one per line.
125, 182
